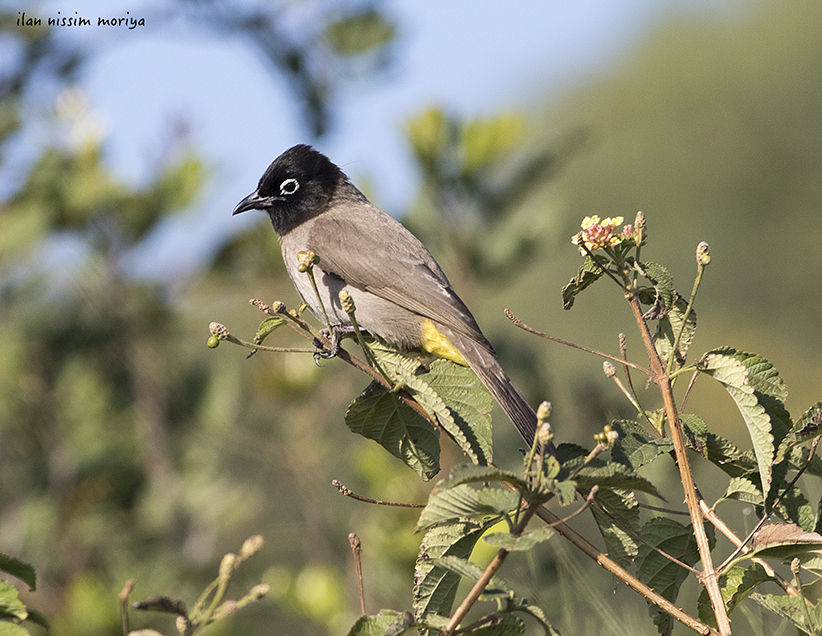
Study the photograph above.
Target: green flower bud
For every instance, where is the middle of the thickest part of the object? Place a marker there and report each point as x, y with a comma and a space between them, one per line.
347, 302
544, 411
703, 254
213, 342
218, 330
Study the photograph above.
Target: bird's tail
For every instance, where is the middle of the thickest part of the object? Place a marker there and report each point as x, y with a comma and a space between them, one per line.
483, 362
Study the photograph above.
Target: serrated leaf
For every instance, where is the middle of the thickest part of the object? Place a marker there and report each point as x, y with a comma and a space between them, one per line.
472, 474
467, 399
636, 447
589, 272
808, 426
20, 569
385, 623
453, 504
657, 571
10, 604
435, 587
669, 327
403, 432
512, 543
716, 449
614, 475
266, 327
742, 489
736, 584
496, 588
664, 290
404, 371
507, 626
740, 375
621, 506
785, 541
788, 607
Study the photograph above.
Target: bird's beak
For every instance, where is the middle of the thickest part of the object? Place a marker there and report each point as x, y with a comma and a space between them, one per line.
252, 202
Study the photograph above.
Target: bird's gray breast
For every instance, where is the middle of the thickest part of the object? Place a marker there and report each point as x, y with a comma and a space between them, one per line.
378, 316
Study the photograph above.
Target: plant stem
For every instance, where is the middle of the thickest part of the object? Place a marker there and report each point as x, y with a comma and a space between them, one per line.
710, 578
626, 577
485, 579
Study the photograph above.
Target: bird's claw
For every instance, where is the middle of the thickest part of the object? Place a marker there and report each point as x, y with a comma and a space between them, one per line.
337, 332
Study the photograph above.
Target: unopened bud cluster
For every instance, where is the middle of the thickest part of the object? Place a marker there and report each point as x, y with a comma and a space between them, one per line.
306, 259
218, 332
608, 436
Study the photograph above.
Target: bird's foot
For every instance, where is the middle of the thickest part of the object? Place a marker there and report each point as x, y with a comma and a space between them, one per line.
337, 334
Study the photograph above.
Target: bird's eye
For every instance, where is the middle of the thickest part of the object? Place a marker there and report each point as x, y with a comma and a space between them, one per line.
289, 186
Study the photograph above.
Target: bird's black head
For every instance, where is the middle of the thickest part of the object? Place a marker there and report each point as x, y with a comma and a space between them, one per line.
297, 186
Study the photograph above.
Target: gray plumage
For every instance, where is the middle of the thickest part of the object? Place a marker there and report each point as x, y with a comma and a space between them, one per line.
394, 281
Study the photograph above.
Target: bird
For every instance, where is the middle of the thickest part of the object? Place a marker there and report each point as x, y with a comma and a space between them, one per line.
401, 294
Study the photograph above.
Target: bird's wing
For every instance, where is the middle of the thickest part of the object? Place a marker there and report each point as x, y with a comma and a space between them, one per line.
372, 251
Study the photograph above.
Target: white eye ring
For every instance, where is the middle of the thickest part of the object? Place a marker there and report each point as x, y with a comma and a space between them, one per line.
289, 186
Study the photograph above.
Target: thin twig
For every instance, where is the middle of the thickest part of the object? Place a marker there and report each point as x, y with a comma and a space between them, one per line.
710, 576
776, 502
510, 315
665, 510
590, 550
589, 500
638, 537
356, 548
720, 525
344, 490
688, 390
127, 589
487, 575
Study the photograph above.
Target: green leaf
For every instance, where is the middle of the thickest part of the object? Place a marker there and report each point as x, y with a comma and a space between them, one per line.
747, 378
266, 327
20, 569
808, 426
512, 543
636, 447
453, 504
589, 272
383, 417
10, 604
624, 508
385, 623
496, 588
613, 475
784, 541
736, 585
469, 402
657, 571
787, 607
404, 371
669, 327
434, 586
509, 625
663, 283
473, 474
359, 33
742, 489
716, 449
10, 629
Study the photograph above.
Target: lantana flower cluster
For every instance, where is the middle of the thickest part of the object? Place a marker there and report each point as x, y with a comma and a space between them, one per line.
598, 233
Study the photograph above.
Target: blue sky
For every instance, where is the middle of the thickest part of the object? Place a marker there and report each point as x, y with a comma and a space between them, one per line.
472, 57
